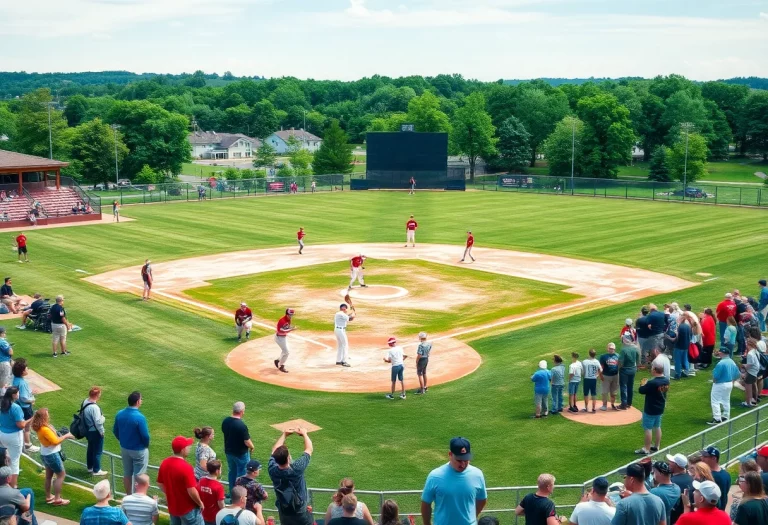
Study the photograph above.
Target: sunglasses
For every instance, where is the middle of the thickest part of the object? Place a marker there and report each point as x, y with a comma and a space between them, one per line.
741, 479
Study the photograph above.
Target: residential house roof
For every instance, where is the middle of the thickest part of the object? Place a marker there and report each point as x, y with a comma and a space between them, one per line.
298, 133
223, 140
12, 162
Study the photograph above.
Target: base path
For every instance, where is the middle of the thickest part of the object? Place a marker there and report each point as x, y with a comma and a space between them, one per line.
312, 361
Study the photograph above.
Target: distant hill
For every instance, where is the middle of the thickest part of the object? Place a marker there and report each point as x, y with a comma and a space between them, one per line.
752, 82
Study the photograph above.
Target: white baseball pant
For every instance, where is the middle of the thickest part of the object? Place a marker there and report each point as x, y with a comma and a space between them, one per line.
342, 345
244, 326
721, 395
468, 251
411, 237
356, 273
301, 244
282, 342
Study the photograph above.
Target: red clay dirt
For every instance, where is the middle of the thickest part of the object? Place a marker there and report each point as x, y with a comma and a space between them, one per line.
609, 418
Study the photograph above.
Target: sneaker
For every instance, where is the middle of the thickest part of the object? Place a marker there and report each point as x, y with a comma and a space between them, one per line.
419, 392
363, 286
277, 364
641, 452
22, 327
714, 422
390, 396
603, 409
573, 409
654, 449
100, 473
402, 396
345, 364
621, 407
55, 355
426, 389
31, 448
339, 363
282, 369
66, 352
584, 410
247, 337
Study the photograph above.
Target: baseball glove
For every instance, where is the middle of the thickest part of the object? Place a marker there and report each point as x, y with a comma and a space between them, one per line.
348, 300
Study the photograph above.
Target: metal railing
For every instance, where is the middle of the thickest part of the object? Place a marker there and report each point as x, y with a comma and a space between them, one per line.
85, 197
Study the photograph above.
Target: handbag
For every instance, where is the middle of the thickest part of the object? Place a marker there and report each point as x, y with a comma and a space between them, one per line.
693, 351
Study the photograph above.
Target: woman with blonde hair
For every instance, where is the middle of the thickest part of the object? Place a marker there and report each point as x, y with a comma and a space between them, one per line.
753, 509
700, 472
747, 466
335, 509
50, 453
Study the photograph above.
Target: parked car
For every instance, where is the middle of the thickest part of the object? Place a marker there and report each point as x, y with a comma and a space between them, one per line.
695, 193
123, 183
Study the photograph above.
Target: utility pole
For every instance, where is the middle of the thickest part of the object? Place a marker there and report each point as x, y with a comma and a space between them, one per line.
687, 126
50, 133
573, 150
117, 173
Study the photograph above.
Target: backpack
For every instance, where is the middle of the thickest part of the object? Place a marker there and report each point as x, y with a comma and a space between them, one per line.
79, 427
287, 499
231, 519
763, 359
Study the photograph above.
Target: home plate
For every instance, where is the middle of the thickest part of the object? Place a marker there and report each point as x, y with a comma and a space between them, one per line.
295, 423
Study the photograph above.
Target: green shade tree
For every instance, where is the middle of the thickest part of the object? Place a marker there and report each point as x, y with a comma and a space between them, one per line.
695, 167
147, 175
266, 155
514, 145
424, 113
32, 127
754, 123
473, 131
540, 111
608, 136
334, 154
659, 170
562, 145
93, 145
263, 120
7, 127
76, 109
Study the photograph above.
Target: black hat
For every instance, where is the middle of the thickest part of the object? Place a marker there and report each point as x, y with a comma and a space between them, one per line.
461, 449
635, 470
253, 465
600, 486
711, 452
662, 467
762, 282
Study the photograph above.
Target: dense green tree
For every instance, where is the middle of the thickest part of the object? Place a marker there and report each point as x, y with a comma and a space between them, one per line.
266, 156
500, 101
695, 167
147, 175
197, 80
539, 112
237, 119
264, 120
683, 107
514, 145
720, 138
564, 146
76, 109
32, 127
288, 94
754, 123
473, 131
729, 98
658, 169
93, 145
424, 113
608, 137
334, 154
7, 127
232, 174
299, 157
651, 131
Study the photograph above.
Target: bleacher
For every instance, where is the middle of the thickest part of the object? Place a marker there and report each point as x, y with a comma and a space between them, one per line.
17, 208
57, 203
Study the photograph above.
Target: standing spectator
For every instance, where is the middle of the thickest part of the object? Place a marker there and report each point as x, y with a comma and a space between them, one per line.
697, 346
629, 359
102, 513
26, 399
130, 429
762, 303
668, 492
575, 371
6, 355
346, 488
8, 298
591, 373
723, 376
21, 245
730, 334
655, 392
711, 457
396, 357
349, 508
22, 501
737, 495
708, 337
237, 443
541, 379
682, 479
699, 470
288, 480
595, 507
176, 478
537, 507
640, 506
422, 360
661, 358
12, 425
59, 326
390, 513
558, 382
203, 452
753, 509
762, 462
115, 211
725, 309
237, 509
94, 420
681, 341
657, 324
255, 492
609, 374
752, 370
211, 491
457, 489
139, 508
50, 455
705, 497
641, 327
627, 328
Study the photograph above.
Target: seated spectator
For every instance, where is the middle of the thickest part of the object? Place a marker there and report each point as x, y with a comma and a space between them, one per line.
8, 298
753, 508
335, 510
537, 507
237, 509
211, 492
705, 497
22, 500
255, 492
88, 208
31, 309
203, 453
82, 208
32, 218
390, 513
75, 209
50, 454
595, 507
140, 508
349, 509
745, 466
102, 513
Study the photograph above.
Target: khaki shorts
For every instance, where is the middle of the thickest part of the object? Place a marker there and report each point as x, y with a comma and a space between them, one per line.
59, 333
10, 300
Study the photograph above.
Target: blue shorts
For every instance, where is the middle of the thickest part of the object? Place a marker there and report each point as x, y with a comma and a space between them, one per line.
53, 462
573, 389
397, 373
651, 422
590, 387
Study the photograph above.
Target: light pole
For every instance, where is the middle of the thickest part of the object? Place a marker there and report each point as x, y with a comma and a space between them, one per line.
687, 126
573, 150
50, 133
117, 172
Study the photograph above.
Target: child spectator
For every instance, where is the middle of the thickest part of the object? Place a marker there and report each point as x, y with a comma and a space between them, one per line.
211, 491
575, 371
627, 328
558, 382
255, 493
541, 379
591, 372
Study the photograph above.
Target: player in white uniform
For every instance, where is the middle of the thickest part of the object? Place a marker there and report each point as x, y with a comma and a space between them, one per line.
356, 271
340, 321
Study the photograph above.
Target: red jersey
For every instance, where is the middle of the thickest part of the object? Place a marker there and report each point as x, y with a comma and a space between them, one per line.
21, 241
177, 476
708, 331
726, 308
211, 493
146, 272
300, 234
411, 225
357, 261
242, 315
282, 324
470, 240
705, 516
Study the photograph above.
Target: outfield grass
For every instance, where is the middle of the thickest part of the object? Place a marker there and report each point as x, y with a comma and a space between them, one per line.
176, 357
201, 170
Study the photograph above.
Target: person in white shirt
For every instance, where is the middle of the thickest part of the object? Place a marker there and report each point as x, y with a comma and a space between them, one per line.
595, 507
591, 372
661, 358
340, 321
242, 515
396, 357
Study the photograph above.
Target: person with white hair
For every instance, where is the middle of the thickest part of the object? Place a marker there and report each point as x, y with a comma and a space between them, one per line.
422, 360
237, 443
725, 309
541, 379
537, 507
102, 513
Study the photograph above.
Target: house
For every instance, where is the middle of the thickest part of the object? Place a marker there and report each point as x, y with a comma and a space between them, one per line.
279, 140
212, 145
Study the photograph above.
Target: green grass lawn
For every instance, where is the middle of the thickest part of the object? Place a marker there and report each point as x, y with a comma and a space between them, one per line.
176, 356
201, 170
735, 170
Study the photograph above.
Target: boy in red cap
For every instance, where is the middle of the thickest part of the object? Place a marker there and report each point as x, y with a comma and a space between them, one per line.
176, 478
396, 357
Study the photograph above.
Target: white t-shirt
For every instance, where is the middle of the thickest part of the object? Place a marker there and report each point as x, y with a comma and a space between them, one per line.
577, 370
340, 320
246, 516
591, 368
396, 355
592, 513
664, 360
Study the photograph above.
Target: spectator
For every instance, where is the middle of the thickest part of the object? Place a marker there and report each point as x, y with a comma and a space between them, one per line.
641, 327
655, 392
237, 443
22, 501
422, 360
31, 309
753, 509
288, 480
681, 343
50, 455
668, 492
705, 497
396, 357
638, 506
203, 453
8, 298
12, 425
629, 359
102, 513
6, 355
737, 495
682, 479
346, 487
255, 493
711, 457
237, 509
26, 399
595, 507
627, 328
138, 507
730, 335
130, 429
211, 491
657, 323
541, 379
575, 371
762, 303
660, 357
762, 462
752, 370
609, 375
725, 309
537, 507
457, 489
176, 478
94, 421
591, 373
558, 382
723, 376
700, 471
708, 337
696, 345
349, 508
59, 326
390, 513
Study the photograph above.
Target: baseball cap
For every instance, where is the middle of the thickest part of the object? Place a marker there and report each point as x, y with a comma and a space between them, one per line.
635, 470
290, 311
662, 467
243, 304
709, 491
461, 449
679, 459
2, 329
763, 452
391, 341
179, 443
762, 282
543, 364
5, 473
711, 452
600, 485
253, 465
628, 321
422, 335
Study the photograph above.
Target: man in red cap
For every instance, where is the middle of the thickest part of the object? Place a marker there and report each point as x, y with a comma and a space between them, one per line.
396, 357
281, 338
176, 478
762, 462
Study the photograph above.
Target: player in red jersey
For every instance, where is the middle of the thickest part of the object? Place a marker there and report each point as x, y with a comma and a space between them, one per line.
300, 236
146, 276
21, 246
468, 249
410, 232
284, 327
356, 271
243, 321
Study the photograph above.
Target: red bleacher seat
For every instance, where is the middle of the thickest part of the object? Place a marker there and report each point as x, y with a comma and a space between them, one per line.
57, 203
17, 209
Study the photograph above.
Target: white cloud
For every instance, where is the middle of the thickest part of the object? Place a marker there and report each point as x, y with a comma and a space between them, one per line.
764, 15
176, 23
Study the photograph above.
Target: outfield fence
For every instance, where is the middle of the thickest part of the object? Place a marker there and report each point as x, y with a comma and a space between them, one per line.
735, 438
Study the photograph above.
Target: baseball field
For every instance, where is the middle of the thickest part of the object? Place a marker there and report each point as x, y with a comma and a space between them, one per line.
175, 351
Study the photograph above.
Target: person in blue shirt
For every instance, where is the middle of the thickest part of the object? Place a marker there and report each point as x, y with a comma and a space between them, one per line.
6, 354
541, 380
12, 425
762, 303
723, 376
131, 431
457, 489
26, 399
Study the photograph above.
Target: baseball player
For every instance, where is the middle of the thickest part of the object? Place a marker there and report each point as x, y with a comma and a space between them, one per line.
340, 321
281, 338
300, 235
146, 276
396, 357
243, 321
410, 232
468, 249
412, 183
422, 360
356, 271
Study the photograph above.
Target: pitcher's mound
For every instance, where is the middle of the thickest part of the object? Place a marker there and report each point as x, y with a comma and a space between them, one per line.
312, 363
610, 418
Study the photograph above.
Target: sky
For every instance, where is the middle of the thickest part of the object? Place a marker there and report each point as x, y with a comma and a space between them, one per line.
351, 39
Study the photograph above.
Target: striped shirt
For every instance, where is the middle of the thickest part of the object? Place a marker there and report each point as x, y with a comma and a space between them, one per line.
140, 509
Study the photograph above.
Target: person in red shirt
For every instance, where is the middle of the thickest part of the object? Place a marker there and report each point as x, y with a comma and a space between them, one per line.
284, 327
300, 235
176, 478
706, 495
410, 232
211, 492
356, 271
146, 276
243, 321
724, 310
21, 246
412, 183
468, 249
708, 337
